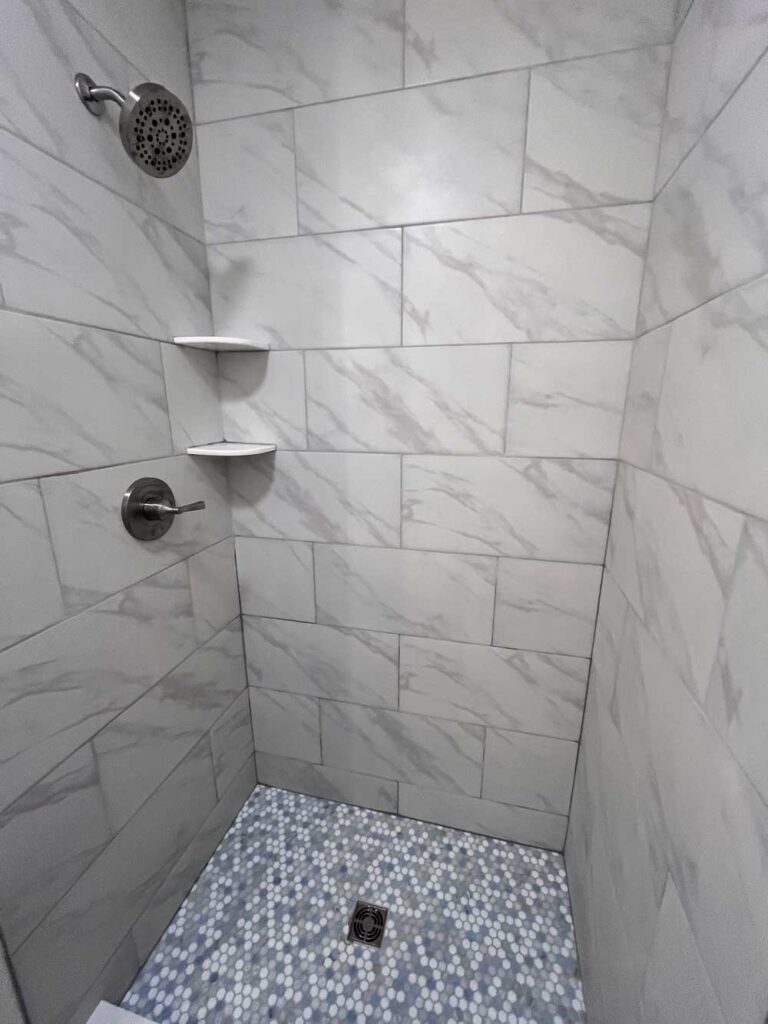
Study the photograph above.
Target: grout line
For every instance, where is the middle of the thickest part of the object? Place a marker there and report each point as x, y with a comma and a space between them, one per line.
524, 156
299, 233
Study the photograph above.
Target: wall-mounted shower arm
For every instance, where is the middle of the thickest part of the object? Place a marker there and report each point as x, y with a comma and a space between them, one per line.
93, 96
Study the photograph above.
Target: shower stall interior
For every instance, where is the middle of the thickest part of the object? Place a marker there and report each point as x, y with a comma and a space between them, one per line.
384, 507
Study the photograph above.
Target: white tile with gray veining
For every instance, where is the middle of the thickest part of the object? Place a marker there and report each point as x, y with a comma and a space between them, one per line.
546, 606
42, 853
322, 661
442, 152
213, 581
276, 578
565, 276
248, 177
60, 687
258, 56
142, 746
287, 724
528, 508
30, 594
593, 130
42, 46
262, 397
673, 552
430, 752
192, 387
64, 956
737, 701
709, 224
649, 360
717, 45
102, 394
76, 251
327, 783
529, 771
567, 399
457, 38
338, 290
95, 554
418, 592
712, 421
323, 496
404, 400
232, 742
520, 690
469, 814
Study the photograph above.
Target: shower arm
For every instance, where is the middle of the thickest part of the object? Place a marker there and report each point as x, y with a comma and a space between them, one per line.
93, 96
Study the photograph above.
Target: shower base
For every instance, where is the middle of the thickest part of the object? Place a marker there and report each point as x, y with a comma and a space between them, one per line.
477, 930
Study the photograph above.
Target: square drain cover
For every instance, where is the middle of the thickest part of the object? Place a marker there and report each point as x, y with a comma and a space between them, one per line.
367, 924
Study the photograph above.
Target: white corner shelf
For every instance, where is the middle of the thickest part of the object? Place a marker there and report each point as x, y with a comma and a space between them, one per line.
222, 344
230, 449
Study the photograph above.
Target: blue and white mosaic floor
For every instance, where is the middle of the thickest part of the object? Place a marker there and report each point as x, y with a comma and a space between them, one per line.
479, 929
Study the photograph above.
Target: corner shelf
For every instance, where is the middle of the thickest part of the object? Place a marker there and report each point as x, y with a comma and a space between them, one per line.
230, 449
213, 344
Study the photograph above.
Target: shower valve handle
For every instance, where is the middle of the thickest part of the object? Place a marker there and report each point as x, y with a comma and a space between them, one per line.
149, 508
158, 510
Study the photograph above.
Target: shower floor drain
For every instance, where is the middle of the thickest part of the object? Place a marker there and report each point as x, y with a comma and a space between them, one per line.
367, 924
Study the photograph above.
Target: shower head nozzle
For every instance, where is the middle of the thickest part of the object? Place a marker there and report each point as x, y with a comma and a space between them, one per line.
155, 128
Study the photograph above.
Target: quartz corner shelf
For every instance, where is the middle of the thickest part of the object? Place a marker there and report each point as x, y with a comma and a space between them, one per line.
213, 344
230, 449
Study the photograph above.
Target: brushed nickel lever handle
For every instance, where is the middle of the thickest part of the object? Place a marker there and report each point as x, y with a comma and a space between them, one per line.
157, 510
149, 508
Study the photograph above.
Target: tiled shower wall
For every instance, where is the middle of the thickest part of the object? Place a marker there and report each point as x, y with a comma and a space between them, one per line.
437, 214
125, 744
668, 845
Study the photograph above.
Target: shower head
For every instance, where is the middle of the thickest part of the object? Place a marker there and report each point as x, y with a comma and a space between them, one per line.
155, 128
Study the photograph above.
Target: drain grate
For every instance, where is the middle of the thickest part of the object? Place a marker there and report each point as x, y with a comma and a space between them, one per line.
367, 924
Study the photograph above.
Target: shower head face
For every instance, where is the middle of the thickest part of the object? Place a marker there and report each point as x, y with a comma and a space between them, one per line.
156, 130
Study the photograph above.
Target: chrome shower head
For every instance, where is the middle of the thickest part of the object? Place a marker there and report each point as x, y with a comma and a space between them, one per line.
155, 128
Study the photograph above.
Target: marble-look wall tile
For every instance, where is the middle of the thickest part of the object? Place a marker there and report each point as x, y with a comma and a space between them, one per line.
43, 45
321, 496
527, 508
258, 55
248, 178
737, 702
262, 397
166, 901
517, 824
215, 595
140, 748
546, 606
30, 594
567, 399
192, 387
110, 986
327, 783
649, 360
570, 275
456, 38
676, 985
96, 556
715, 48
322, 661
609, 636
276, 578
442, 152
429, 752
708, 232
593, 130
529, 771
408, 400
332, 290
232, 742
47, 839
519, 690
76, 251
112, 408
60, 687
286, 724
66, 953
417, 592
673, 552
712, 419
